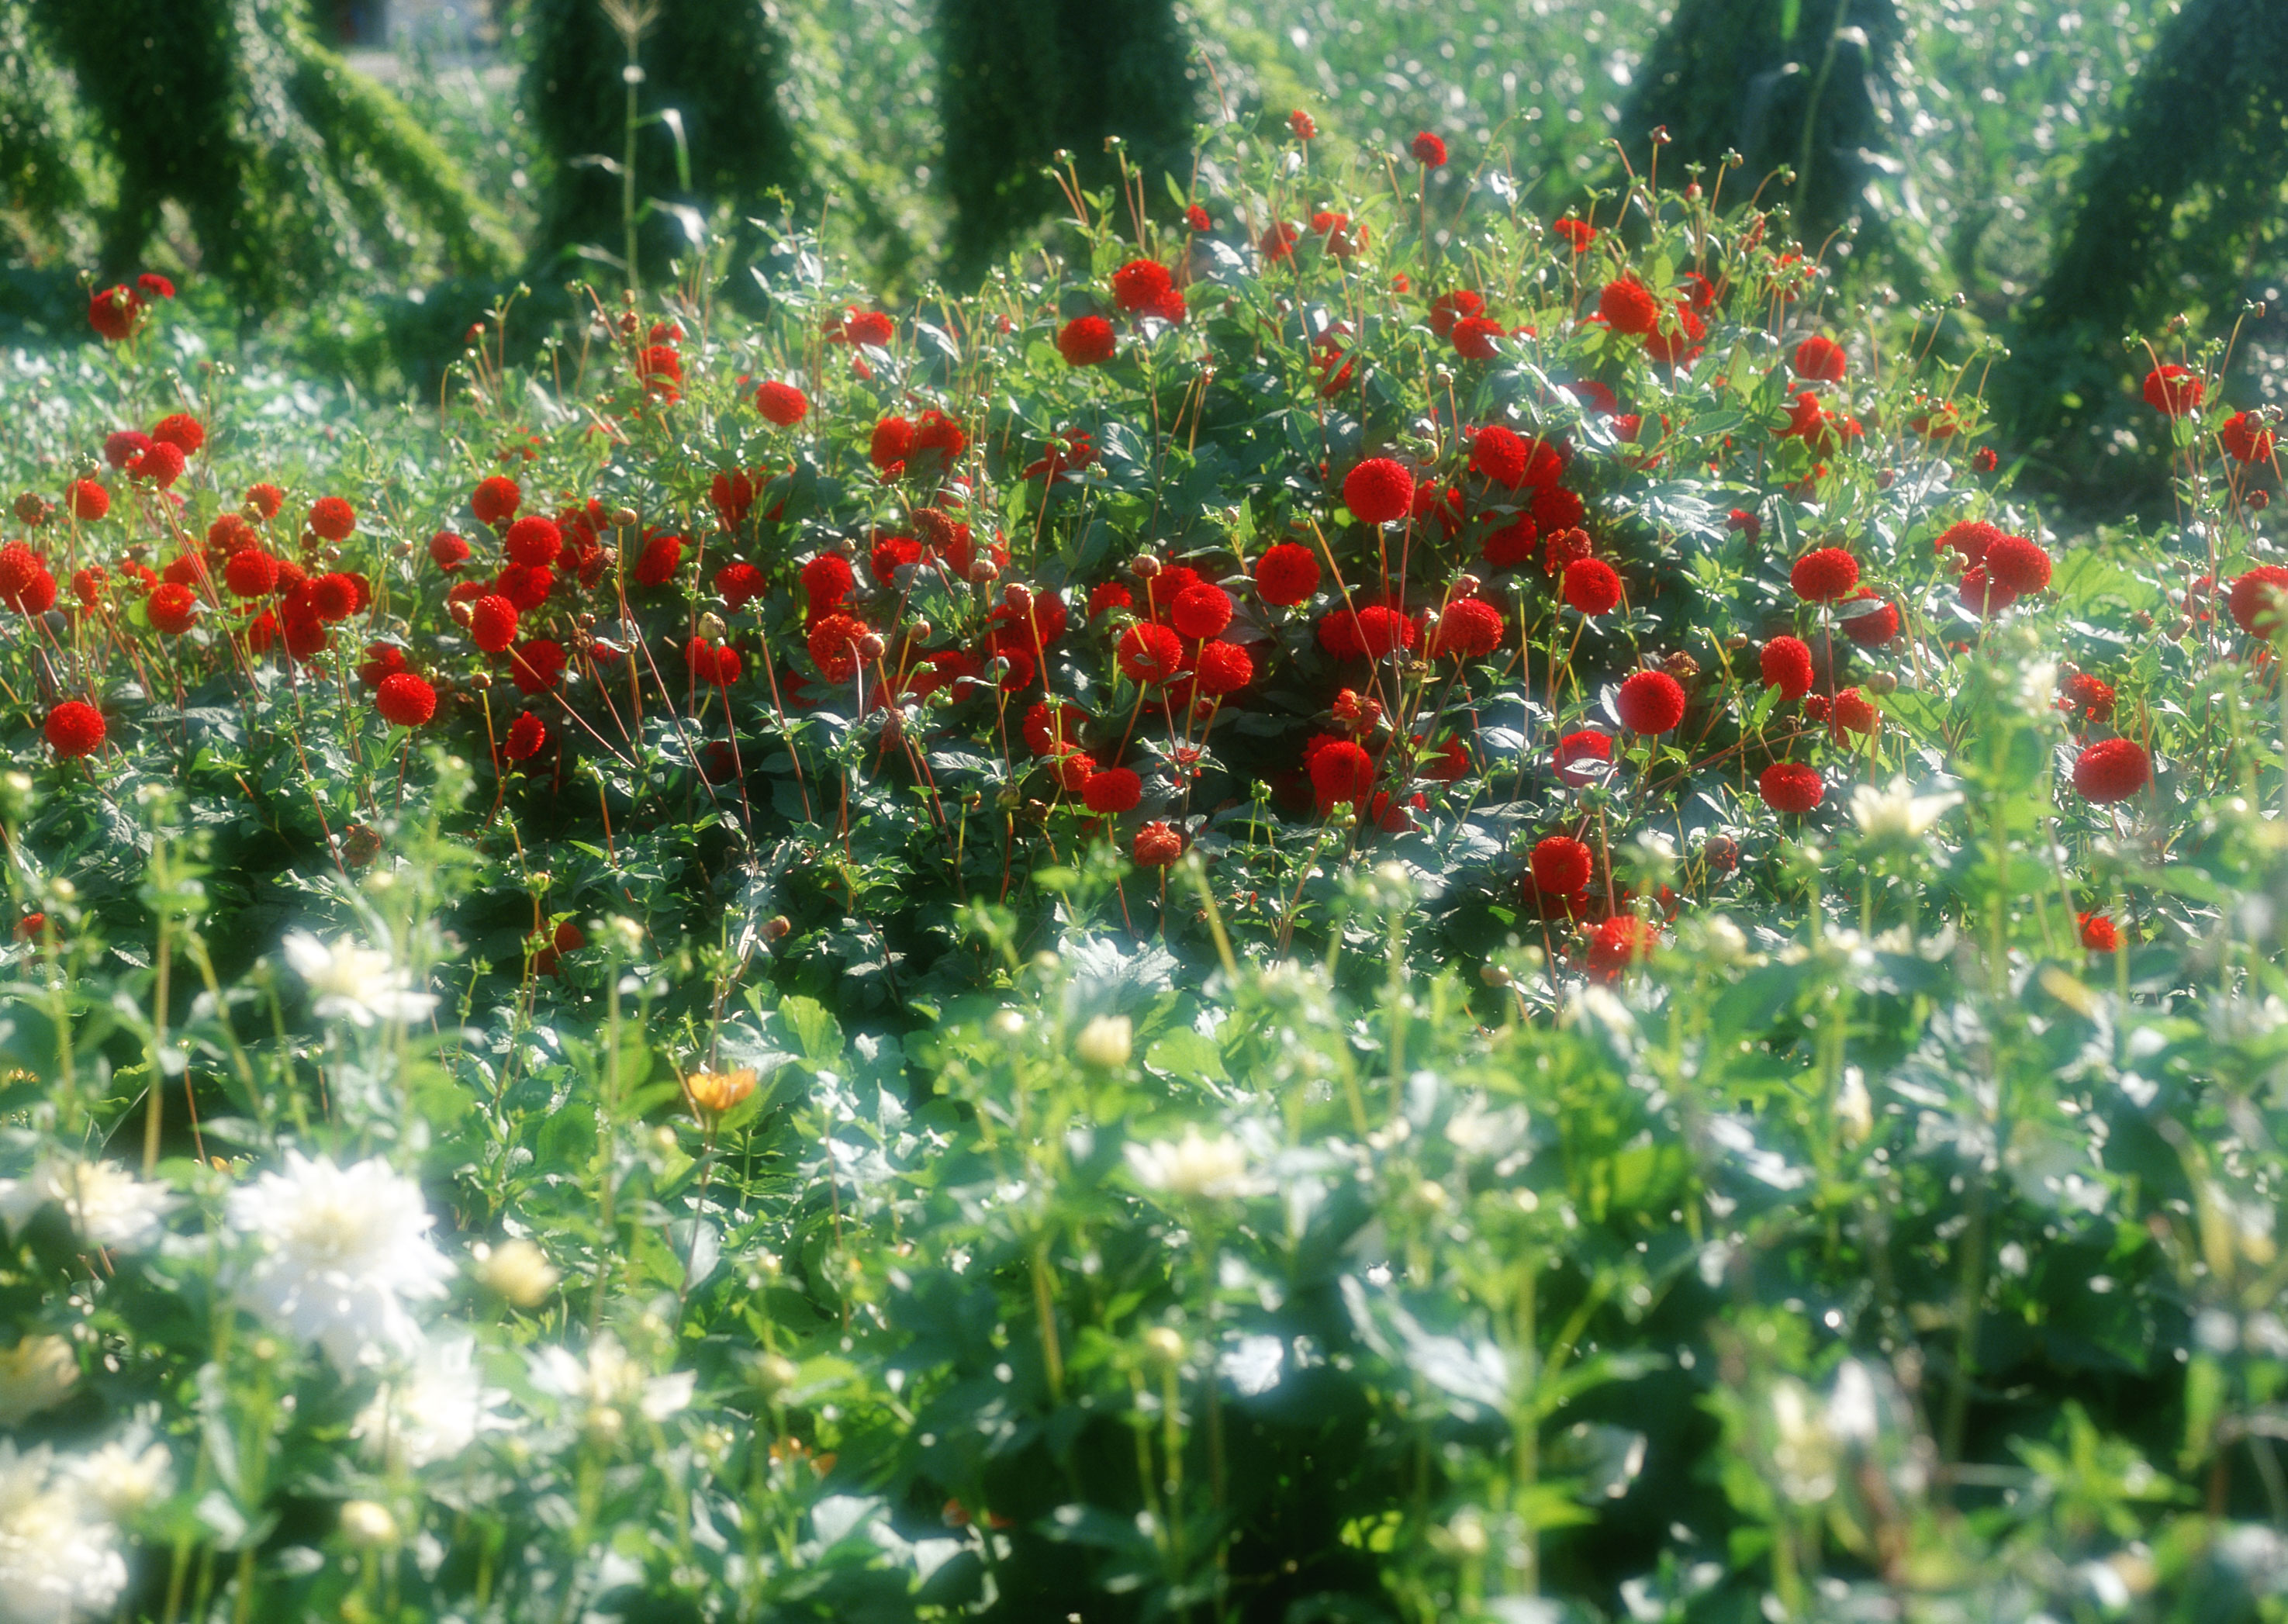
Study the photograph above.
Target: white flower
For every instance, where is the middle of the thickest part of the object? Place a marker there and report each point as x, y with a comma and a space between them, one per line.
1194, 1168
127, 1474
109, 1206
1897, 812
607, 1379
1105, 1042
38, 1373
434, 1410
1252, 1366
58, 1553
340, 1252
358, 984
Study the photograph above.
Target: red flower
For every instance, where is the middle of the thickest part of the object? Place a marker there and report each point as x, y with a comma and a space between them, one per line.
1470, 626
173, 608
75, 729
1149, 653
405, 700
492, 623
2097, 933
1970, 538
834, 645
1115, 789
20, 567
1562, 865
661, 556
1303, 125
533, 542
1285, 574
447, 552
181, 431
863, 327
782, 404
124, 446
1335, 233
1581, 757
1222, 667
1823, 575
1196, 218
1141, 285
2259, 600
1786, 663
382, 661
87, 500
1511, 546
2111, 770
265, 499
1650, 703
828, 580
332, 518
1746, 523
1086, 341
159, 463
939, 434
892, 439
526, 735
2088, 697
2017, 563
1340, 771
1157, 845
1677, 339
1821, 359
2171, 390
740, 584
1853, 714
1449, 308
1616, 943
1578, 234
1984, 596
1475, 337
114, 314
1200, 612
1790, 787
250, 573
1382, 630
496, 500
1378, 491
1428, 151
1871, 626
1106, 595
1628, 307
537, 666
1591, 585
2246, 438
1556, 508
1498, 454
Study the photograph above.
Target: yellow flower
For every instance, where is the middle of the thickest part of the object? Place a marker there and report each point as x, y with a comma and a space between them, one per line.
717, 1092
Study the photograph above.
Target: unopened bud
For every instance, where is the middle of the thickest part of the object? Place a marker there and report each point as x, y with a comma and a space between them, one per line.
1467, 586
1882, 682
711, 626
1019, 597
623, 518
1494, 975
776, 928
1105, 1042
1145, 567
1682, 666
982, 571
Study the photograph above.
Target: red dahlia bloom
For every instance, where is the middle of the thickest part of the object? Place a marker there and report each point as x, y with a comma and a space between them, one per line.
1855, 714
1511, 546
405, 700
2087, 697
1592, 586
1582, 757
1557, 509
1157, 845
1982, 595
496, 500
892, 439
1824, 574
740, 584
1200, 612
1650, 703
834, 645
1499, 454
492, 623
1428, 151
181, 431
160, 461
782, 404
1303, 125
173, 608
2246, 438
533, 542
114, 314
1470, 626
526, 735
828, 580
250, 573
1115, 789
1196, 218
1222, 667
1616, 943
2259, 600
87, 500
75, 729
2171, 390
661, 556
1449, 308
1378, 491
2097, 933
1867, 621
1786, 663
1970, 539
447, 552
535, 666
1562, 865
1149, 653
1821, 359
1286, 574
2019, 563
265, 499
1628, 307
332, 519
1577, 234
124, 446
1790, 787
2111, 770
1086, 341
1340, 771
1474, 338
1141, 285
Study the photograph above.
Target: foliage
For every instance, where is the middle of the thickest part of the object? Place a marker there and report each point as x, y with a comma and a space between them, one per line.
887, 1165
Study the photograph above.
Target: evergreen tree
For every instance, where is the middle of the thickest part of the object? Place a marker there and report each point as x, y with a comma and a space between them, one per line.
1024, 79
291, 168
714, 64
1805, 86
2175, 206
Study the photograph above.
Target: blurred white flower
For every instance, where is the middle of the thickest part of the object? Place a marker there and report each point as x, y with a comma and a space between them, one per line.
1855, 1107
127, 1474
607, 1379
340, 1253
109, 1206
58, 1553
1803, 1449
1853, 1413
357, 984
368, 1525
1105, 1042
1194, 1167
36, 1374
1253, 1364
1898, 813
434, 1410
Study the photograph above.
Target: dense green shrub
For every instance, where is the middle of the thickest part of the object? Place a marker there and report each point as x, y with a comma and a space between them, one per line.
1097, 974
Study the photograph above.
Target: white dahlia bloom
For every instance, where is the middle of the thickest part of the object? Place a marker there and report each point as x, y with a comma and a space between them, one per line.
58, 1553
357, 984
340, 1254
109, 1206
607, 1379
126, 1474
1194, 1168
38, 1373
434, 1410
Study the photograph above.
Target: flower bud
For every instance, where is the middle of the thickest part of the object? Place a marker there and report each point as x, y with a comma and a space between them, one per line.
1164, 1345
368, 1525
1145, 567
516, 1271
982, 570
1018, 595
1105, 1042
